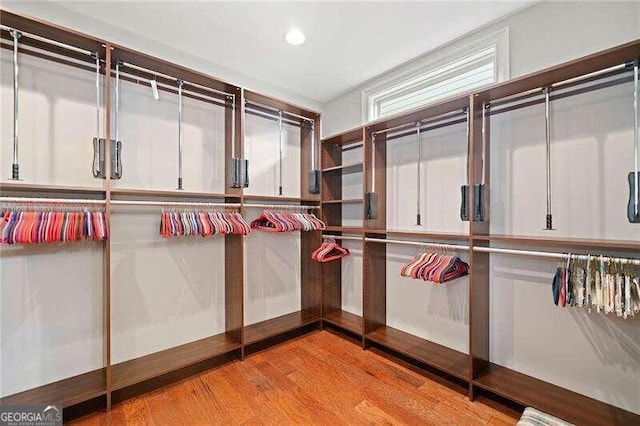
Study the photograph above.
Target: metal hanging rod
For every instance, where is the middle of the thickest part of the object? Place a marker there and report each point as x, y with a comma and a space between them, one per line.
341, 237
280, 206
18, 200
418, 243
172, 203
128, 76
180, 84
139, 68
49, 41
280, 152
607, 72
277, 111
553, 255
425, 122
15, 167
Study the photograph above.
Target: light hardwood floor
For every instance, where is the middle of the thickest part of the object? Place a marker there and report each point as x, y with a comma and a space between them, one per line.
319, 378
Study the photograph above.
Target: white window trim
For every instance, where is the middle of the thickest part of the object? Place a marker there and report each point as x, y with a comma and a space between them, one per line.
436, 59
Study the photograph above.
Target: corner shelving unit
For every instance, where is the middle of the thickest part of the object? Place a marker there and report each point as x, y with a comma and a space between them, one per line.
334, 169
474, 369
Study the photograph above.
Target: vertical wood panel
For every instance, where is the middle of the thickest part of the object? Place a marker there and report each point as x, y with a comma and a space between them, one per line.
480, 262
374, 287
234, 284
107, 244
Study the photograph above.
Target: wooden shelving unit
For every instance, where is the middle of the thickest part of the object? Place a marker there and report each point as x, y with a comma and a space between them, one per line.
437, 356
321, 286
67, 392
264, 330
565, 404
147, 367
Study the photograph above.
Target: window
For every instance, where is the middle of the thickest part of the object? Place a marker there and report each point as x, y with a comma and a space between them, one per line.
454, 69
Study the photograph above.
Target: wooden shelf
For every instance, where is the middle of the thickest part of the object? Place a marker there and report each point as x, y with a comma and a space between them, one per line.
345, 201
272, 327
63, 189
278, 198
163, 193
345, 229
344, 138
345, 320
445, 359
565, 404
345, 168
583, 243
67, 392
428, 235
138, 370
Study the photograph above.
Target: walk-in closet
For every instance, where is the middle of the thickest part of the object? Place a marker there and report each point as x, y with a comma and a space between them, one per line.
320, 213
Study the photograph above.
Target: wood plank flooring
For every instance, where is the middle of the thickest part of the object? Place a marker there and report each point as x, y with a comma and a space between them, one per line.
319, 378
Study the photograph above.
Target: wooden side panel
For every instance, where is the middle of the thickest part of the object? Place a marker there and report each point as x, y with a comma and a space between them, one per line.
234, 284
311, 273
106, 265
374, 286
480, 262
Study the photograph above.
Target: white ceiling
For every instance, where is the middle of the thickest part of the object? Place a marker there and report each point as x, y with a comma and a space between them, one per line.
347, 43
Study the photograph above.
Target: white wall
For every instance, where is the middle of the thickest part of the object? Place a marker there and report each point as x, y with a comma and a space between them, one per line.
262, 148
164, 291
51, 313
542, 35
57, 122
149, 135
272, 273
60, 15
592, 155
272, 261
51, 300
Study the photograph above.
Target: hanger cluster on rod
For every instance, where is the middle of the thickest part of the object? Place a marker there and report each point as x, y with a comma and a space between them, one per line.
610, 285
202, 223
51, 220
329, 250
273, 221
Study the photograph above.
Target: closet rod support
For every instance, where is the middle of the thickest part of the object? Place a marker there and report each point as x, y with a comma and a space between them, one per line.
170, 77
277, 111
48, 41
424, 122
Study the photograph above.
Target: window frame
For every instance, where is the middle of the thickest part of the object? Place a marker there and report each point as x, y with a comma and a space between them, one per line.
401, 77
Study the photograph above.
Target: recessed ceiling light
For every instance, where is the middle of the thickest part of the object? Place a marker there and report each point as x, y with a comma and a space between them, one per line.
294, 37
